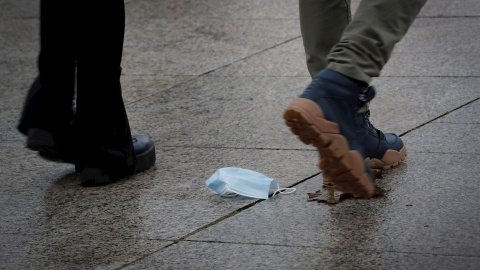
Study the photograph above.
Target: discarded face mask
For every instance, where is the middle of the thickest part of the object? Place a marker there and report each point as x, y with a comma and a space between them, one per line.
236, 181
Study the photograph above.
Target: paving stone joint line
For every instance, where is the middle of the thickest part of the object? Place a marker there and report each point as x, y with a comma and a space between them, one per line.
231, 214
438, 117
218, 68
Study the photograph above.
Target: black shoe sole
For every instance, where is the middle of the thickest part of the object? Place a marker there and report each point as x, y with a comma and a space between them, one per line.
42, 141
97, 177
145, 160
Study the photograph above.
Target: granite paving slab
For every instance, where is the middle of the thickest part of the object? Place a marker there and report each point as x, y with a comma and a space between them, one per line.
423, 52
174, 188
137, 87
402, 104
426, 212
8, 121
12, 94
431, 209
208, 81
19, 9
197, 43
46, 211
226, 9
453, 138
72, 252
275, 62
469, 114
255, 104
447, 8
190, 34
212, 111
455, 133
19, 41
208, 255
433, 64
428, 35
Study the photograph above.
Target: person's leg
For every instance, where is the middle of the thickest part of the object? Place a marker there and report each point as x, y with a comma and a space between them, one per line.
368, 41
365, 47
322, 23
325, 115
47, 113
101, 123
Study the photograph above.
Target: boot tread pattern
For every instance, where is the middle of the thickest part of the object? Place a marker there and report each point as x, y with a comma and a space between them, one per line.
343, 167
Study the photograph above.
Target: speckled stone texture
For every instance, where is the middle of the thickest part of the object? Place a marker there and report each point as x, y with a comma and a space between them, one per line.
208, 81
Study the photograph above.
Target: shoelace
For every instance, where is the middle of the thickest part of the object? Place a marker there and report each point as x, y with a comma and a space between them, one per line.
370, 125
366, 94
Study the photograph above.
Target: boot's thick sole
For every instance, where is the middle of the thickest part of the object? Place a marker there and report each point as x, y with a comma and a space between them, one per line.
346, 169
145, 155
42, 141
391, 159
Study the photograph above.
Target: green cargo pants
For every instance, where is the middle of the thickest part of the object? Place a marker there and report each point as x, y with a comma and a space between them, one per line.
359, 47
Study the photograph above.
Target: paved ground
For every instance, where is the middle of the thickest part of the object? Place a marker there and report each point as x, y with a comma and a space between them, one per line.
208, 81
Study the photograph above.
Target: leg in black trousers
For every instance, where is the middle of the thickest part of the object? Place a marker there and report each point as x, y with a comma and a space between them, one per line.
85, 37
49, 102
101, 122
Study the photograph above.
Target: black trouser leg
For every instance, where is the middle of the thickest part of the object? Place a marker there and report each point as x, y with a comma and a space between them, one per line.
49, 102
86, 37
101, 122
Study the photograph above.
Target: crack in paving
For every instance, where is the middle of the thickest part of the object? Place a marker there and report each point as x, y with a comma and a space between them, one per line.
326, 247
234, 213
218, 68
229, 215
438, 117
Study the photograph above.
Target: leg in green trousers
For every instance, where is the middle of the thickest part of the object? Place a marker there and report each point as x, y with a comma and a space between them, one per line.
322, 23
357, 48
343, 54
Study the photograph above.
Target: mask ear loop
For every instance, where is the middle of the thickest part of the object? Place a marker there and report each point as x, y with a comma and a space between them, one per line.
284, 191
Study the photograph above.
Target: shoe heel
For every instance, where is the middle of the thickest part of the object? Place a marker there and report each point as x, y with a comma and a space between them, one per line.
40, 140
145, 160
349, 174
342, 167
94, 177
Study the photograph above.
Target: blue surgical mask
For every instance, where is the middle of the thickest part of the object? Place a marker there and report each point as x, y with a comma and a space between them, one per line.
236, 181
